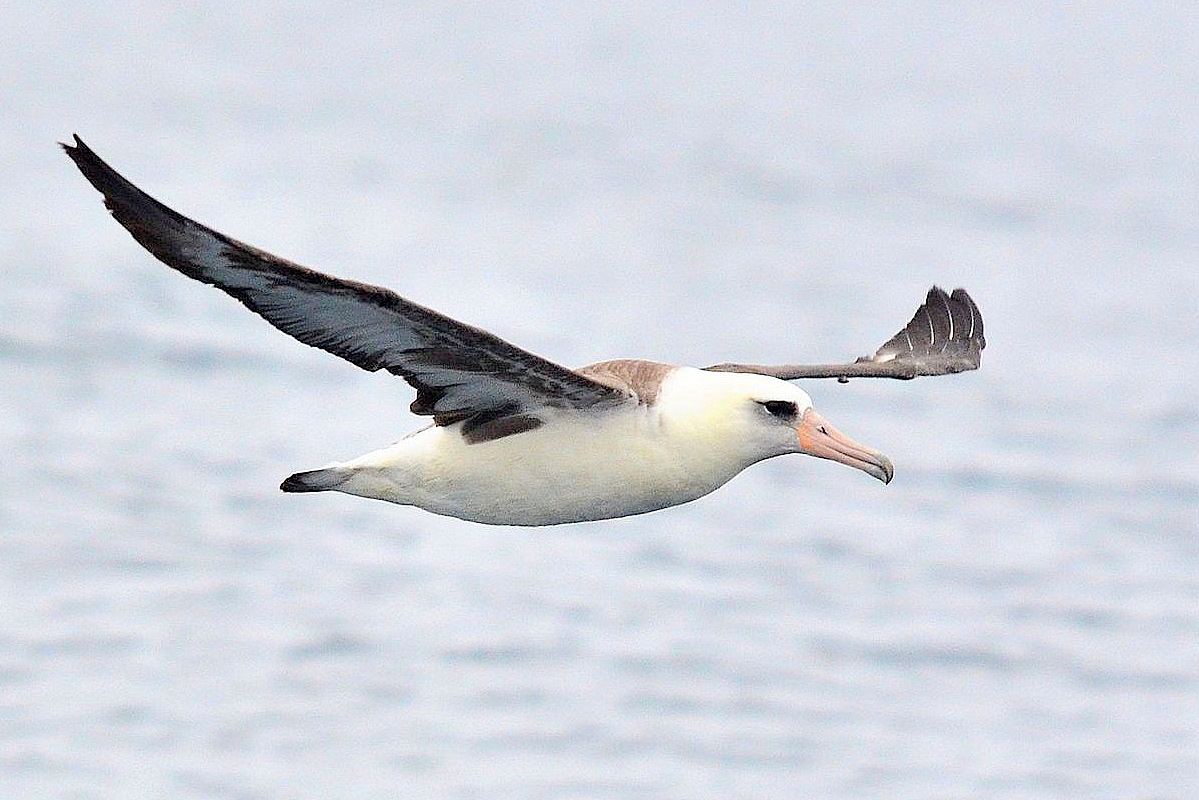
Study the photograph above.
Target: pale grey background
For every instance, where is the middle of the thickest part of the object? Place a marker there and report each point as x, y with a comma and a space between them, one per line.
1016, 616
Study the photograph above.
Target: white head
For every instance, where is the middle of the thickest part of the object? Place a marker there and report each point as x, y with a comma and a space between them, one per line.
752, 417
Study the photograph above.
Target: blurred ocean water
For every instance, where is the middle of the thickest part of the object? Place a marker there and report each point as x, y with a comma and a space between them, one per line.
1016, 616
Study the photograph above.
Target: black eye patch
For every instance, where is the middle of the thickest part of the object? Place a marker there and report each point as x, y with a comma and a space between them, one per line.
784, 409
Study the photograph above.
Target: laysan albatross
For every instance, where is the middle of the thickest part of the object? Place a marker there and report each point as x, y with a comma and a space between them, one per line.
517, 439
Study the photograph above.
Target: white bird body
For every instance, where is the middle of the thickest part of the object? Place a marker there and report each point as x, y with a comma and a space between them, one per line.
632, 459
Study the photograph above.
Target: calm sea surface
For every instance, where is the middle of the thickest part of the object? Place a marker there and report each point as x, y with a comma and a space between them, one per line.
1015, 616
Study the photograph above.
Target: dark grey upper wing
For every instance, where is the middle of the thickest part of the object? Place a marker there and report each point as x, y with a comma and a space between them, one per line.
945, 336
461, 373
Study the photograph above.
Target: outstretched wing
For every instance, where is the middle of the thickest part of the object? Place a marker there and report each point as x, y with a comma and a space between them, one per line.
461, 373
945, 336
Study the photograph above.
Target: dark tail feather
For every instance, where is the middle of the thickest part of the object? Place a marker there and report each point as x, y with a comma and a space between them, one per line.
317, 480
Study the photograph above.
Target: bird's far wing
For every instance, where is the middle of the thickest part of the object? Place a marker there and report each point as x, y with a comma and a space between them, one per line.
945, 336
461, 373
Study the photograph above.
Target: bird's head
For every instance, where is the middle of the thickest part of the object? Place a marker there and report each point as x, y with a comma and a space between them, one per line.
759, 417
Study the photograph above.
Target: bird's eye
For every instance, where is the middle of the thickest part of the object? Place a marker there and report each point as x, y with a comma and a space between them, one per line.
784, 409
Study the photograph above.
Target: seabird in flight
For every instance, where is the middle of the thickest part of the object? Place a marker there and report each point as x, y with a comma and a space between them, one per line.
517, 439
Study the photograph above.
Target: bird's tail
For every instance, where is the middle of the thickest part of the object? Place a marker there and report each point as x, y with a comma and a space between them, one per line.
317, 480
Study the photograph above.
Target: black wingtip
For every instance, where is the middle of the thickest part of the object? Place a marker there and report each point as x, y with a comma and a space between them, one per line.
103, 177
75, 151
944, 336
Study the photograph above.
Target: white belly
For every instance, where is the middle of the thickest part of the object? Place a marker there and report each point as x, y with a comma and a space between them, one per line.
574, 468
